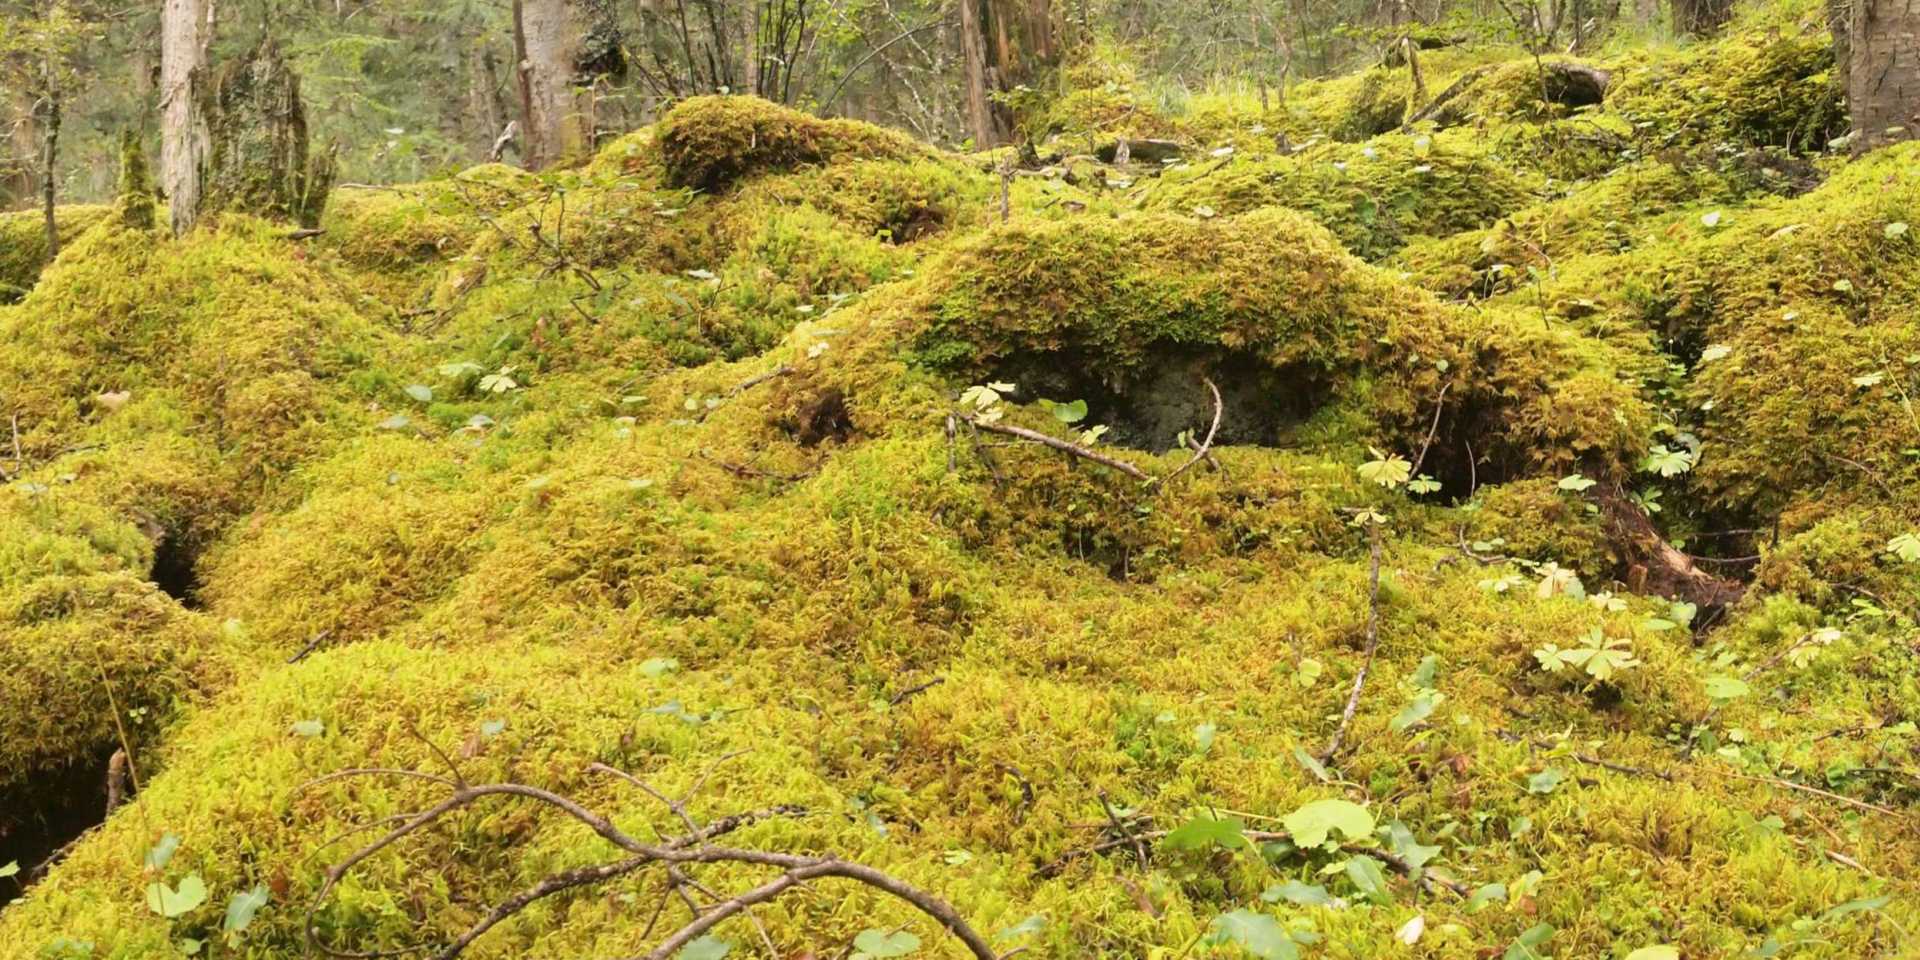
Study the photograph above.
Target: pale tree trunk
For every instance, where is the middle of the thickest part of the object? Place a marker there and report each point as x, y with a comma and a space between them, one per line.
1883, 72
1008, 43
186, 29
19, 185
750, 47
564, 47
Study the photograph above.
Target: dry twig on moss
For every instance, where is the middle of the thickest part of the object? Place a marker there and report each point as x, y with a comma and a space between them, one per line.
1205, 450
1373, 646
1064, 446
673, 855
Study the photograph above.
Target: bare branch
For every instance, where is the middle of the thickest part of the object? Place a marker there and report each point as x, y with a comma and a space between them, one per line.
1205, 445
1064, 446
1373, 645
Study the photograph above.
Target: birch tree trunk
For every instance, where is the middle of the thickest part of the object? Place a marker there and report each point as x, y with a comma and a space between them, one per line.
186, 29
1883, 72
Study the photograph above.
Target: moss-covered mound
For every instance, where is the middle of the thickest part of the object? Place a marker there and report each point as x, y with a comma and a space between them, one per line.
1375, 197
710, 142
710, 462
23, 244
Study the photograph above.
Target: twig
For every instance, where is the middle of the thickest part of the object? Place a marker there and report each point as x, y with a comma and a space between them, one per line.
312, 645
1063, 446
796, 869
1139, 845
1263, 836
1205, 445
911, 692
1439, 406
1373, 645
1816, 791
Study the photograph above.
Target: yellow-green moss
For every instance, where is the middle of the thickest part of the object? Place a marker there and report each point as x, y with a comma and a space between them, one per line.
1754, 88
711, 142
23, 243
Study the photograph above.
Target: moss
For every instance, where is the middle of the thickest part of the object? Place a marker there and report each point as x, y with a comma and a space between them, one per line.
1374, 197
1753, 88
23, 243
1535, 520
711, 142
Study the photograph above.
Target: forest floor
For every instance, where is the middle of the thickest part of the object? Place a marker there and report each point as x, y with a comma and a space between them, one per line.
1496, 536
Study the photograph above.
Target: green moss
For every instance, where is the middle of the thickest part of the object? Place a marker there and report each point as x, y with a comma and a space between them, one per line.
1754, 88
1374, 197
23, 243
711, 142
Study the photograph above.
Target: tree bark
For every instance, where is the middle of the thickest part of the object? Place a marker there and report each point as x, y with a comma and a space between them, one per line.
186, 29
1883, 72
1701, 18
1008, 44
17, 183
257, 157
564, 46
50, 146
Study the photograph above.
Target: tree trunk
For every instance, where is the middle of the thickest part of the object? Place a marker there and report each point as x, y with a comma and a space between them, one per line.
1883, 72
257, 159
1700, 18
1008, 44
17, 183
186, 29
50, 146
565, 46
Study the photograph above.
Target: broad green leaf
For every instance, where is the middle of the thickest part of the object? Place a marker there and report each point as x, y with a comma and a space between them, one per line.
1066, 412
1726, 688
1718, 351
1300, 894
1486, 894
308, 728
1366, 874
1576, 483
174, 901
1894, 230
242, 907
1526, 946
656, 667
420, 392
1203, 735
1401, 841
1858, 906
1312, 765
1905, 546
1256, 933
708, 947
881, 944
1425, 673
162, 851
1659, 952
1311, 824
1417, 710
1025, 928
1666, 462
1203, 831
1546, 781
9, 869
1387, 470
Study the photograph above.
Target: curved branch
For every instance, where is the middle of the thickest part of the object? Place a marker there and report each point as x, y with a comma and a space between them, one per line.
1207, 444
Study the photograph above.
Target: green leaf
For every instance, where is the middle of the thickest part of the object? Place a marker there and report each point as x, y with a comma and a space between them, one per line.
1203, 735
1546, 781
1423, 484
1066, 412
242, 907
656, 667
1366, 874
1486, 894
1576, 483
1424, 674
1416, 711
1386, 470
708, 947
880, 944
1718, 351
1525, 946
171, 901
1666, 462
1311, 824
1659, 952
1203, 831
9, 869
1025, 928
1894, 230
1858, 906
1256, 933
1401, 841
1313, 766
162, 851
1297, 893
1710, 220
1905, 546
1726, 688
420, 392
308, 728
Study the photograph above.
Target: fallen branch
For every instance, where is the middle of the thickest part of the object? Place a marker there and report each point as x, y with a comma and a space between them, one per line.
1205, 445
312, 645
672, 855
1439, 406
1064, 446
1132, 839
1373, 646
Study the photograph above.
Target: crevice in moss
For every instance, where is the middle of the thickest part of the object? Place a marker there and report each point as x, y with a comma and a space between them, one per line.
175, 570
45, 812
1260, 404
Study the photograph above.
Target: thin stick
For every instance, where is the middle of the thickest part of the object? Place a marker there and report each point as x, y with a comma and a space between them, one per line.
312, 645
1205, 445
1439, 406
1373, 645
1816, 791
1063, 446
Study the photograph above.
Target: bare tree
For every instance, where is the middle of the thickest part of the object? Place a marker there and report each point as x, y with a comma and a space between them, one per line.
1883, 71
1007, 44
1701, 17
186, 30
